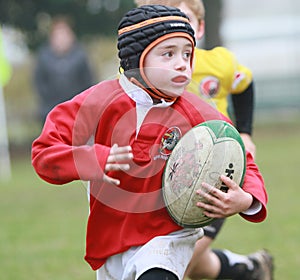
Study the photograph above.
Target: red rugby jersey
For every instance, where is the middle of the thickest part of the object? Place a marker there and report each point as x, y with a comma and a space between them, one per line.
75, 144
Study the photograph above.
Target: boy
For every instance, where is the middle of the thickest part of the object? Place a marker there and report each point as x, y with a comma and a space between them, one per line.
129, 233
216, 74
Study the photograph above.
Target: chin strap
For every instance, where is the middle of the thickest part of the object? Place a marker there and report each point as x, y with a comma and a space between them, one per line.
153, 92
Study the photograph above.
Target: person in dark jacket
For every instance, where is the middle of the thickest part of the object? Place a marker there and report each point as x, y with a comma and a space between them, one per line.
62, 68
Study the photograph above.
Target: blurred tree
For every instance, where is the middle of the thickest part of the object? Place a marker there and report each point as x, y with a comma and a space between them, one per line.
5, 75
90, 16
213, 19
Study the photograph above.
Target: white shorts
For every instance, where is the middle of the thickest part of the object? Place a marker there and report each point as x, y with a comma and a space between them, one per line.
171, 252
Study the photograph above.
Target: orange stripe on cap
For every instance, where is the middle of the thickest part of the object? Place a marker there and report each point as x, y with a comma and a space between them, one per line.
151, 21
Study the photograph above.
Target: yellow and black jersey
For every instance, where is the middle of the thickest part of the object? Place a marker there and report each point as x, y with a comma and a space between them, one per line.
216, 74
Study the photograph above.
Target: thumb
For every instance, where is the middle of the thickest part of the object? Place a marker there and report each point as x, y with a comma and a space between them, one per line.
113, 148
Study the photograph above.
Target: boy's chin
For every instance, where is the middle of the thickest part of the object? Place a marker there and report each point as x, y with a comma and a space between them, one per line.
174, 94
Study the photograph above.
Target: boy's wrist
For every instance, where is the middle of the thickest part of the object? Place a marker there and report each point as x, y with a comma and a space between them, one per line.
254, 208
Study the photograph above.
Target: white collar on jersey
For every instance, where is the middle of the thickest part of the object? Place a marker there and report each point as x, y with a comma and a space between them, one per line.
142, 99
140, 96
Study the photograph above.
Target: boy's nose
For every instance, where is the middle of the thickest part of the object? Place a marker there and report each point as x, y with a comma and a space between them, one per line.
181, 64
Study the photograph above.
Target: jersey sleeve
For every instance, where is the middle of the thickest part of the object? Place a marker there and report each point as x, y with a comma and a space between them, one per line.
243, 105
242, 77
254, 184
61, 153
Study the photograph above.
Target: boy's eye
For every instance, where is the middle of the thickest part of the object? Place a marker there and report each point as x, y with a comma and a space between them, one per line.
168, 54
187, 54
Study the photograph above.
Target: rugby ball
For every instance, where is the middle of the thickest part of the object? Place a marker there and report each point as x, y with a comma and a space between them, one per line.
201, 155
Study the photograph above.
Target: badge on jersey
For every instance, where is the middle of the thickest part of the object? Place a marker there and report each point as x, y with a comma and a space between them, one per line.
209, 86
169, 140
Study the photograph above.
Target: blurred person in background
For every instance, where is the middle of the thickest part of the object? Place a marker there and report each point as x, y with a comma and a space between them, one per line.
62, 68
217, 75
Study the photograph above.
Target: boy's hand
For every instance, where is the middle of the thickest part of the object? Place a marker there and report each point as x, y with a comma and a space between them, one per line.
117, 160
221, 204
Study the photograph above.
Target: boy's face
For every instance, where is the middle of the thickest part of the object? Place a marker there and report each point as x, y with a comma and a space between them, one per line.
167, 66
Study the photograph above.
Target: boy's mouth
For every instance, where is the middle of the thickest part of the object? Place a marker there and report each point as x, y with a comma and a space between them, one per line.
180, 79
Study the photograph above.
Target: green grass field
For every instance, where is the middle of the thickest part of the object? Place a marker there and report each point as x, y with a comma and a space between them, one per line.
42, 232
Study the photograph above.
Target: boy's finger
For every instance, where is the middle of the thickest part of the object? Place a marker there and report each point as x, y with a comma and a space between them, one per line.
115, 149
228, 182
116, 167
110, 180
119, 157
